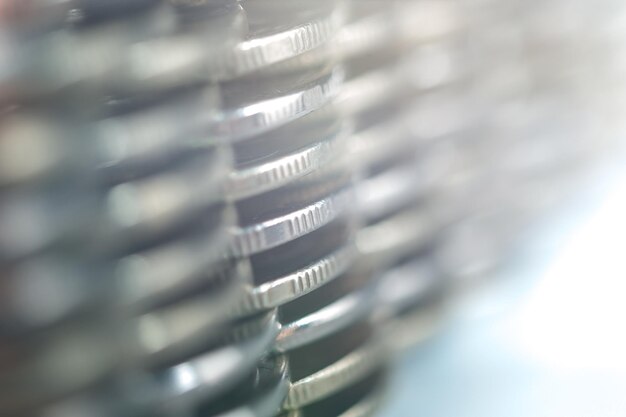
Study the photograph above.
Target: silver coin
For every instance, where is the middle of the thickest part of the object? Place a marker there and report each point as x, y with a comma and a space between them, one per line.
144, 209
316, 144
109, 398
394, 184
371, 25
245, 116
407, 284
380, 140
433, 65
45, 290
363, 399
33, 146
279, 31
172, 270
330, 365
33, 219
292, 270
208, 19
203, 377
424, 21
415, 327
49, 365
103, 56
382, 243
172, 331
412, 300
337, 305
261, 397
150, 137
47, 15
372, 81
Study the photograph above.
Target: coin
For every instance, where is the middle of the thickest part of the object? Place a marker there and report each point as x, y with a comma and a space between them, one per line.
327, 366
337, 305
289, 271
200, 378
363, 399
262, 396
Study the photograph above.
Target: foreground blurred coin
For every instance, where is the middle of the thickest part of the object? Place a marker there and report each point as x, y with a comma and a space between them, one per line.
46, 366
48, 14
261, 102
135, 136
411, 296
278, 31
182, 326
210, 372
48, 289
194, 259
261, 395
402, 233
146, 209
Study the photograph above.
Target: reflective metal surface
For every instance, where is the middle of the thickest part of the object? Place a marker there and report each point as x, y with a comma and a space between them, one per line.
252, 207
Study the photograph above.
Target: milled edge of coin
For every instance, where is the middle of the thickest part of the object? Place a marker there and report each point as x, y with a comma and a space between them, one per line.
336, 376
289, 287
264, 115
271, 233
270, 175
254, 54
337, 315
218, 369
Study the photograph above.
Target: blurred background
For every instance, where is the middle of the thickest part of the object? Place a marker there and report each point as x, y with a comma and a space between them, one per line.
312, 208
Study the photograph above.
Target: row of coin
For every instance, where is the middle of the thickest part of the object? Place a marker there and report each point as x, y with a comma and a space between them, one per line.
535, 133
234, 207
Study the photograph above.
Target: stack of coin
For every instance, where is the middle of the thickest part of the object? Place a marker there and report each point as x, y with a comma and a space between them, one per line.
519, 159
247, 207
292, 188
231, 204
399, 86
117, 263
54, 325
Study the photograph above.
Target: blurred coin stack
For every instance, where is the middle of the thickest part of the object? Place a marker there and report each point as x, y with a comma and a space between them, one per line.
536, 70
229, 207
402, 94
